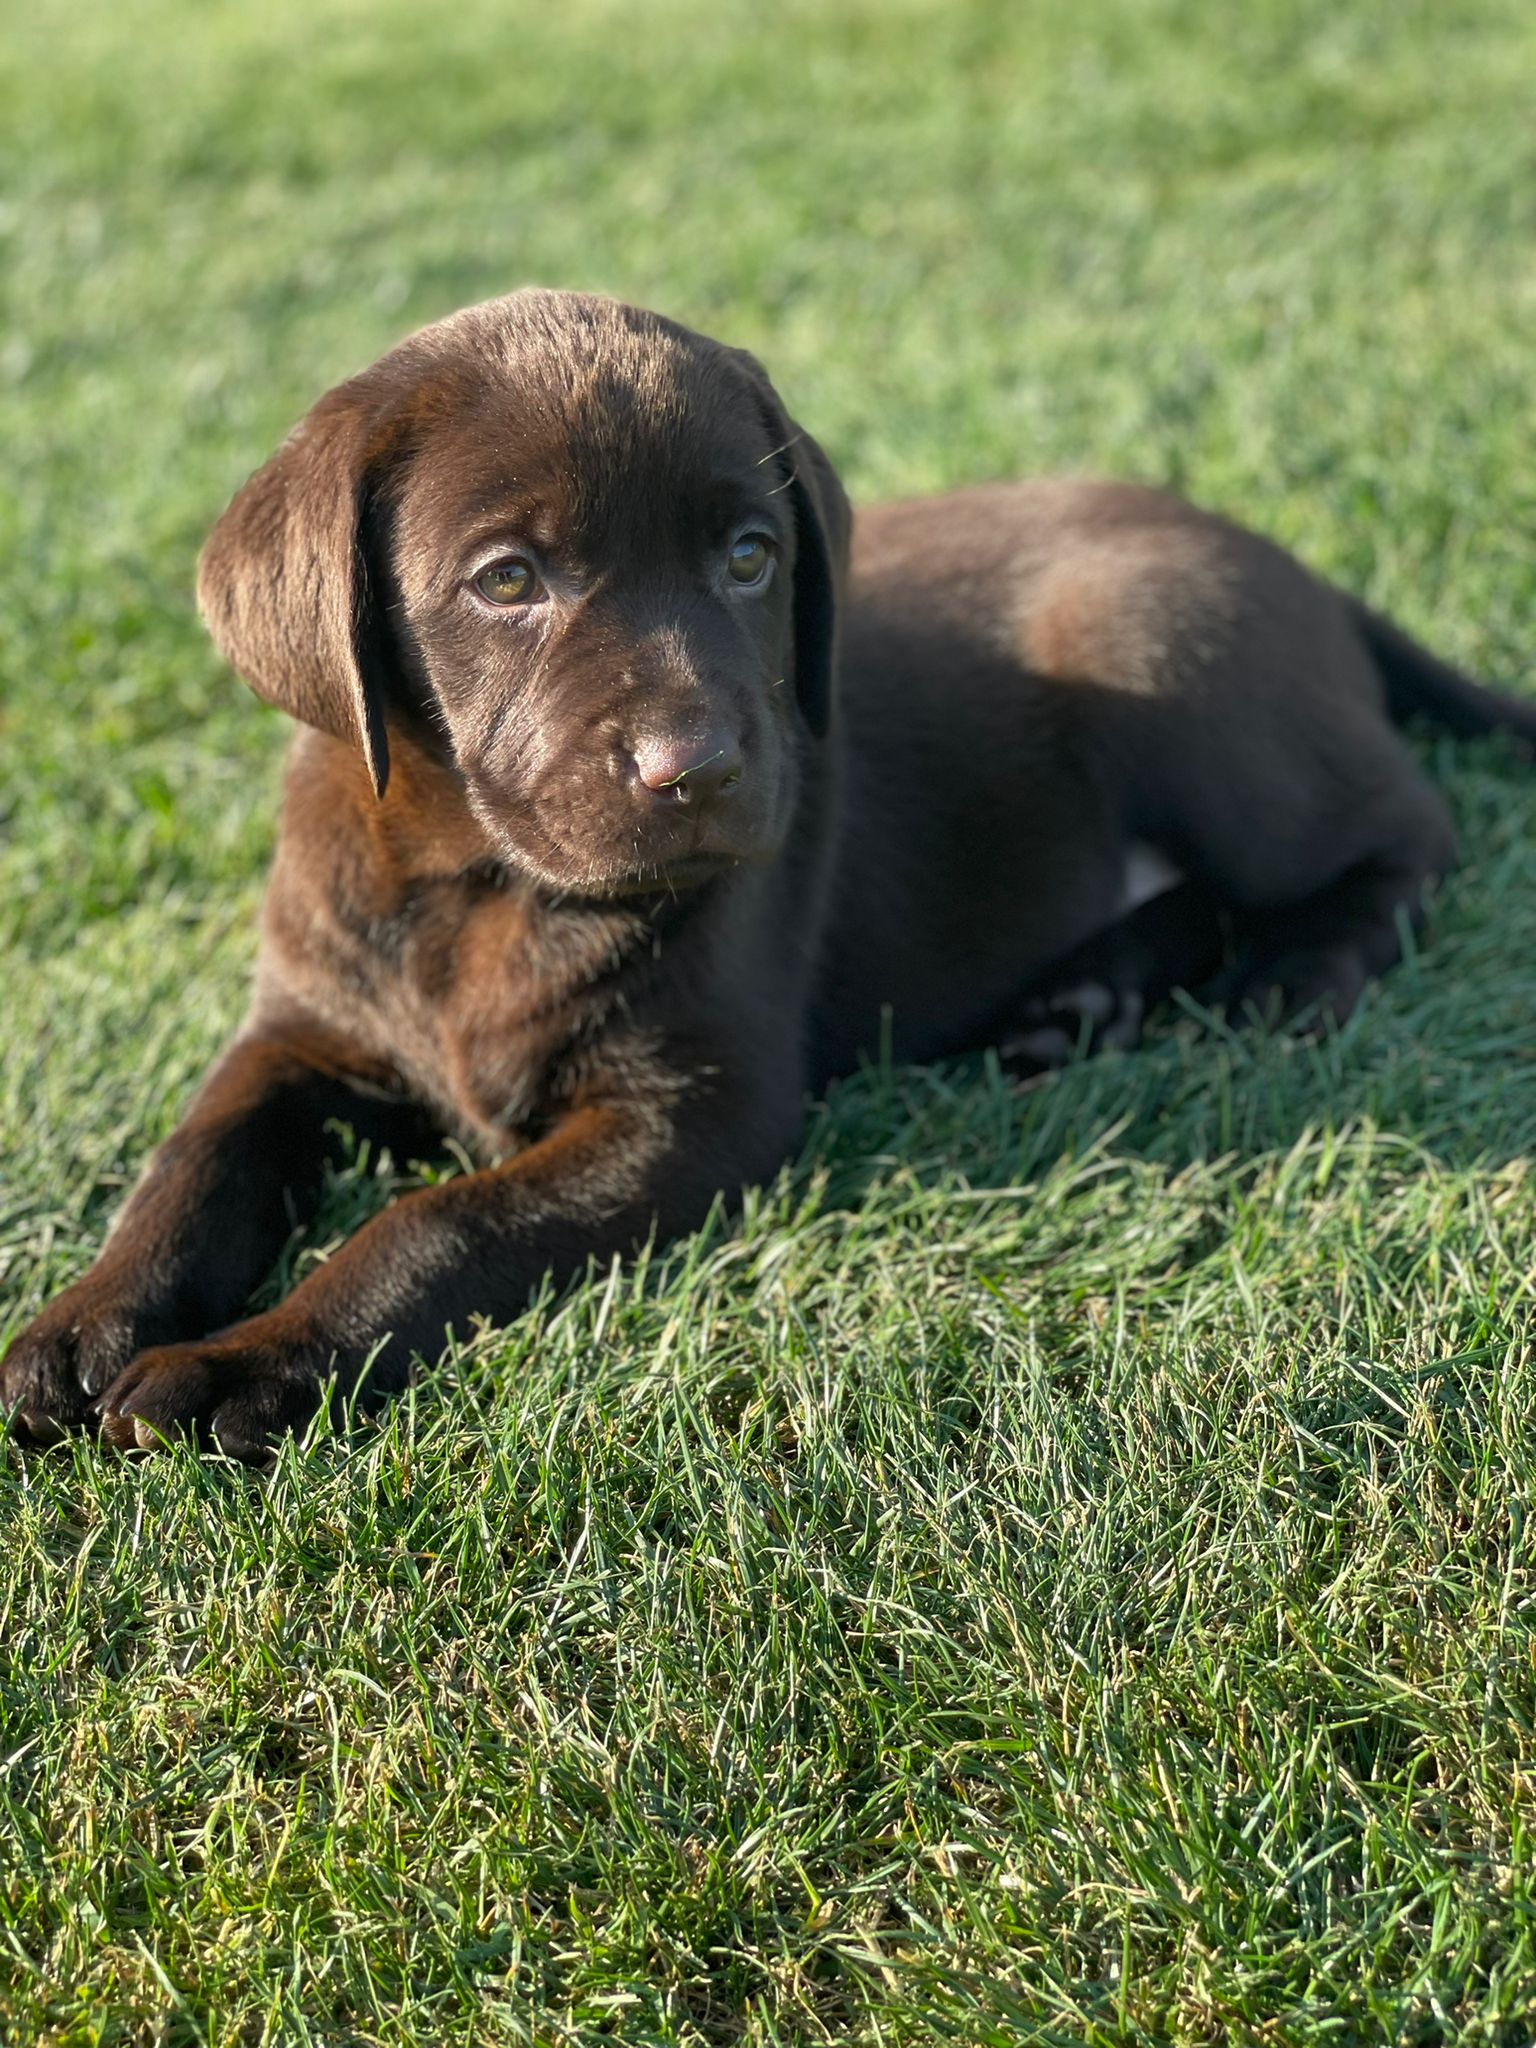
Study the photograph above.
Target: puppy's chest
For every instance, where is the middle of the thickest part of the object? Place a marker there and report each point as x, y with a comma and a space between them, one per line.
487, 997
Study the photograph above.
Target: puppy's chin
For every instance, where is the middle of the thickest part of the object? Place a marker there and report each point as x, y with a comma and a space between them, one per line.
676, 878
618, 863
618, 872
622, 884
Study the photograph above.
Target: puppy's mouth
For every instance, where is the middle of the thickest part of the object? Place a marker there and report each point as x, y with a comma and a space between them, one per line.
619, 866
577, 841
669, 862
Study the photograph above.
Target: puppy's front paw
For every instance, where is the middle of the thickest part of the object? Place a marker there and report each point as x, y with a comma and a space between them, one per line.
238, 1392
55, 1369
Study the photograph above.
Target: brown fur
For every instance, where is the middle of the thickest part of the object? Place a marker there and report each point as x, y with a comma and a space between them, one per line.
616, 987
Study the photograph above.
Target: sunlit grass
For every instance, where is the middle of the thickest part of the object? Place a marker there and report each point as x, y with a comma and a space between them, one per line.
1058, 1566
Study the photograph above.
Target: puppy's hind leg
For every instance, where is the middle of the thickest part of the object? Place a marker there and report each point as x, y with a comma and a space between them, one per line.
1098, 996
1308, 962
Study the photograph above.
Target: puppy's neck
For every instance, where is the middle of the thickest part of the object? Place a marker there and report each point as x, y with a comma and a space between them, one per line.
423, 825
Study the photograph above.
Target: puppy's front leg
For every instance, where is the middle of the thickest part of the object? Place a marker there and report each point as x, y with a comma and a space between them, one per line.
596, 1184
208, 1216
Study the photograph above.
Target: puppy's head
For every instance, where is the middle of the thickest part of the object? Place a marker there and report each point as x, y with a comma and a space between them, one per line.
579, 547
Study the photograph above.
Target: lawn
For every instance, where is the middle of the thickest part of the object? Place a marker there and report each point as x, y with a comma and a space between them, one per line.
1059, 1565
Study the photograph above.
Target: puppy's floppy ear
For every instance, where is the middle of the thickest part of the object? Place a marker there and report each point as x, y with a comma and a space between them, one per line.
283, 582
823, 524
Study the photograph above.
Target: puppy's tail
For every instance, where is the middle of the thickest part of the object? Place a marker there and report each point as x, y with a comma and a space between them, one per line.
1420, 685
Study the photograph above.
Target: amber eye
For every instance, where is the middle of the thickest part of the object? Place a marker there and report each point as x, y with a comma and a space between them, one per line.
508, 582
748, 560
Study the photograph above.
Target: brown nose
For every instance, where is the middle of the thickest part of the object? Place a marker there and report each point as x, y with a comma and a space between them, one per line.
687, 771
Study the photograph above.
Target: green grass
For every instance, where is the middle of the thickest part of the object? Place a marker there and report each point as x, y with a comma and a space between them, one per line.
1059, 1567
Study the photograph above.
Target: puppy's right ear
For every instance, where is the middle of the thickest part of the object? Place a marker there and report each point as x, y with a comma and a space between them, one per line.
283, 582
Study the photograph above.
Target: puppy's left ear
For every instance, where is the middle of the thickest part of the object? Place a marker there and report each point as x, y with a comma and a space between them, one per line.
823, 526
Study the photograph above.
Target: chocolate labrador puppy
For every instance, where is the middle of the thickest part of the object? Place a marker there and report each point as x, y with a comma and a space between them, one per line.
626, 810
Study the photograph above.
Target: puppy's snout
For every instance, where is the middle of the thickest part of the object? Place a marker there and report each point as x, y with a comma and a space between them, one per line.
697, 772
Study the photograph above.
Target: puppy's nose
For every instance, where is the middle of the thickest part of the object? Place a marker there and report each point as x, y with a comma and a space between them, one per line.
688, 771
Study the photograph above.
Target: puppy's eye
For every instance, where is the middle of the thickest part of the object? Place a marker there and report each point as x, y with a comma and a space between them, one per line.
749, 560
509, 582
